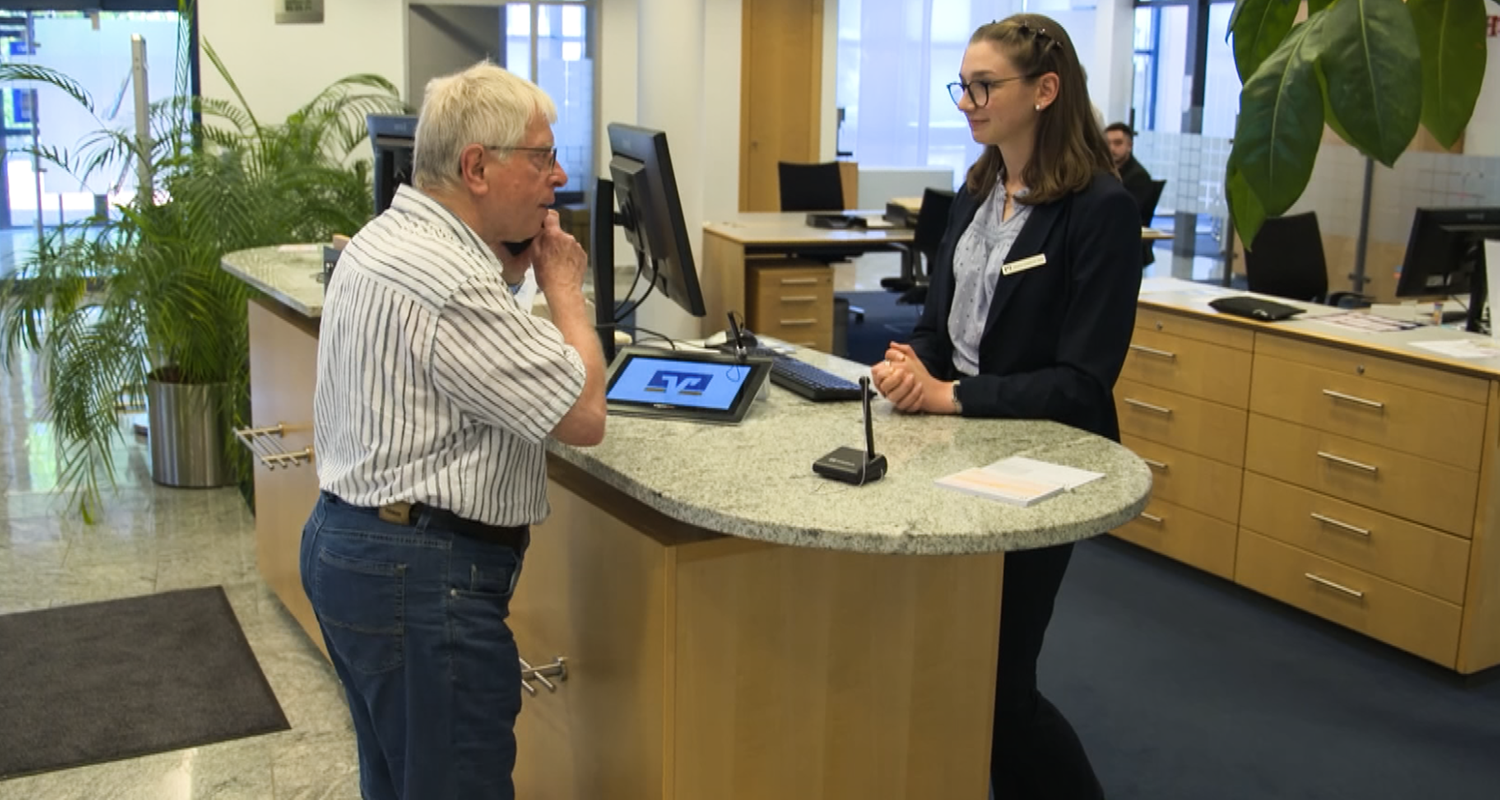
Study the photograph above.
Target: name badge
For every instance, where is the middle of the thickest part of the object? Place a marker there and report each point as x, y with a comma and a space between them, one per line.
1024, 264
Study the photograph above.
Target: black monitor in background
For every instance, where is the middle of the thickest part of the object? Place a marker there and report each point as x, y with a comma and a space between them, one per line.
1445, 256
641, 180
392, 139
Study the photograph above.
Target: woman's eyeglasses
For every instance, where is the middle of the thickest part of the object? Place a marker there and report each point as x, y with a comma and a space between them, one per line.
978, 91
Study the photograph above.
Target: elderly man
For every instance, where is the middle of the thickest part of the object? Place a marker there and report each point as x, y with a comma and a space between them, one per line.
435, 396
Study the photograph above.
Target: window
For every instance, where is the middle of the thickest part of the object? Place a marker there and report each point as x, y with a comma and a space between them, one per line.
1182, 139
551, 43
94, 48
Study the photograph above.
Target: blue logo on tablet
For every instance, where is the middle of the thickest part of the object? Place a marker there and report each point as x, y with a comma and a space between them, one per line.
673, 382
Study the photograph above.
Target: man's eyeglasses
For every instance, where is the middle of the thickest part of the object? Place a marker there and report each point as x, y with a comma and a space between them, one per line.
550, 151
978, 91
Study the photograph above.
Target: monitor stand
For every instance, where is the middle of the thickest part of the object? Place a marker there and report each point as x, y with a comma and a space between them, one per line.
602, 261
1474, 265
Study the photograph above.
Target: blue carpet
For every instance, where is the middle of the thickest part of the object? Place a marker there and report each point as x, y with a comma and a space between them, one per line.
885, 321
1183, 685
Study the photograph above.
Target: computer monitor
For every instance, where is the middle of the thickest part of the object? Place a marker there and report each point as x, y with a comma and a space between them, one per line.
1445, 255
650, 211
392, 138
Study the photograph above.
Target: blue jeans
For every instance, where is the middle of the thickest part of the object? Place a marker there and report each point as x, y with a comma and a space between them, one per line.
414, 619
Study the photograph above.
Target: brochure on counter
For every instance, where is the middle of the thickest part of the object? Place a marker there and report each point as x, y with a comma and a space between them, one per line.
1017, 480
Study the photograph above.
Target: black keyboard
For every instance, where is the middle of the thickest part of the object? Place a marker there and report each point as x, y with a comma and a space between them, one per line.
802, 378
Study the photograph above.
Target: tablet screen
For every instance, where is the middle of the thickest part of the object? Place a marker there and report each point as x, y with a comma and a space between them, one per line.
711, 388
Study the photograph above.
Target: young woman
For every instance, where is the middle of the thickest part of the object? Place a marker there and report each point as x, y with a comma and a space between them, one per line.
1029, 313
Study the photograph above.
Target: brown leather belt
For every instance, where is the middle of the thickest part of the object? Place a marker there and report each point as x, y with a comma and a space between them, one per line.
515, 537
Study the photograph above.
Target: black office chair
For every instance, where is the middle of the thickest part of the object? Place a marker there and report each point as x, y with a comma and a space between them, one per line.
932, 220
816, 187
1286, 260
1148, 212
811, 187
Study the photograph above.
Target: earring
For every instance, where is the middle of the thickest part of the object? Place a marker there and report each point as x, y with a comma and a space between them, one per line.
1038, 106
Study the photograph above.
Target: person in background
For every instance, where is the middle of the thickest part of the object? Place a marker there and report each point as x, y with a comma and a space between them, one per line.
436, 394
1135, 177
1121, 149
1029, 316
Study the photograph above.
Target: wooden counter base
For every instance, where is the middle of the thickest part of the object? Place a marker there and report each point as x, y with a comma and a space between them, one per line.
708, 666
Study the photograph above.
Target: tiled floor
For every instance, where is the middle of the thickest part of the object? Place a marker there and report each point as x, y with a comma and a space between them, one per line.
154, 539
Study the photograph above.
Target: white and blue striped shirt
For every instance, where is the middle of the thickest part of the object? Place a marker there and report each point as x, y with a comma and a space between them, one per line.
433, 385
977, 261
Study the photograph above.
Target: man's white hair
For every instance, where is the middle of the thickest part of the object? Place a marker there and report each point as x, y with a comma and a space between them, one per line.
483, 105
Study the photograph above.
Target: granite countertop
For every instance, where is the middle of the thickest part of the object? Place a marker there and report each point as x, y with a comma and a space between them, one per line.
755, 480
293, 275
290, 273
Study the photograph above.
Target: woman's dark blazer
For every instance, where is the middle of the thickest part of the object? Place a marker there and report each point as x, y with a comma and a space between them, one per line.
1057, 334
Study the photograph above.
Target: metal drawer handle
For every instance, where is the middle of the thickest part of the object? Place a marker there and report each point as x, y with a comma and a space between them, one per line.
557, 669
1156, 465
1348, 462
1341, 525
1352, 399
258, 441
799, 322
1151, 351
799, 298
1152, 518
1322, 581
1149, 407
799, 281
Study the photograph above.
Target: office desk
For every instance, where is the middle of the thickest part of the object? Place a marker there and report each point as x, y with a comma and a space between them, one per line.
1353, 475
764, 265
733, 626
904, 210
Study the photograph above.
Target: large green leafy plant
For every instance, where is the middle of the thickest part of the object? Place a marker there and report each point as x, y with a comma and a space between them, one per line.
1372, 70
110, 301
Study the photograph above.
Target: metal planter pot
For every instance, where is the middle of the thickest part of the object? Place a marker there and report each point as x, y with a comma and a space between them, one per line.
187, 432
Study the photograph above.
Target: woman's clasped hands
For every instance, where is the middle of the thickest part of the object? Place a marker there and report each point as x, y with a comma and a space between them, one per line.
903, 379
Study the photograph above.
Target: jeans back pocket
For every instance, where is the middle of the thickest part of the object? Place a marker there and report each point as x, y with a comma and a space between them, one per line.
361, 604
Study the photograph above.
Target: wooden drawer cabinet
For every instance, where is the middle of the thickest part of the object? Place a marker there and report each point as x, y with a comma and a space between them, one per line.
1151, 319
1180, 421
793, 303
1355, 599
1409, 487
1191, 481
1185, 535
1355, 477
1412, 555
1373, 367
1210, 371
1414, 421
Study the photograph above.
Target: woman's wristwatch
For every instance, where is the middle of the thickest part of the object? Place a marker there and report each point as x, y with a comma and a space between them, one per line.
958, 407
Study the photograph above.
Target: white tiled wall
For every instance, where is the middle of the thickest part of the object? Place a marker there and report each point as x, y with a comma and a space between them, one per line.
1193, 167
1335, 190
1429, 179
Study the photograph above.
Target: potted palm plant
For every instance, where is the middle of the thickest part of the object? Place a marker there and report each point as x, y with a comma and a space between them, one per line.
136, 303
